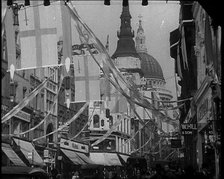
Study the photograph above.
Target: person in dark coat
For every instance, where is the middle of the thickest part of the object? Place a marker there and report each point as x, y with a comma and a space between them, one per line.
168, 174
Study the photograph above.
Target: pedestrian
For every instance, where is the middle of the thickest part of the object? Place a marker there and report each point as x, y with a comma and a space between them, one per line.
168, 173
179, 173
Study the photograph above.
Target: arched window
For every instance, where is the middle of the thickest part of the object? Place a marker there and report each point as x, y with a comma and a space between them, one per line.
96, 121
49, 130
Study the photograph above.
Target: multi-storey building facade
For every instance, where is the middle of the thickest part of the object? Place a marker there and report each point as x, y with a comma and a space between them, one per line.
203, 51
131, 58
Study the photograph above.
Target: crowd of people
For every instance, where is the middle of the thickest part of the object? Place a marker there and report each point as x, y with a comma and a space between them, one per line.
157, 172
167, 173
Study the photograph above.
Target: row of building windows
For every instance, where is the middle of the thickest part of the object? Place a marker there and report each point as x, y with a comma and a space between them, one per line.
123, 127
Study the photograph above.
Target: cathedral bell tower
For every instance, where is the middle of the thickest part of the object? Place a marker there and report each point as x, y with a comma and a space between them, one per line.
140, 39
126, 57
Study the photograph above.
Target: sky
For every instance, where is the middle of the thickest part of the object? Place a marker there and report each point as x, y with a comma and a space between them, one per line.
158, 19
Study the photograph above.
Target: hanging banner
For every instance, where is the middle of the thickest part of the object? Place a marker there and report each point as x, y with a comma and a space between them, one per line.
87, 78
10, 38
184, 49
38, 35
118, 102
4, 11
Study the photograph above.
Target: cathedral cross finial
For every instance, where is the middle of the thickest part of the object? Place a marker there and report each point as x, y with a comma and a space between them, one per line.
140, 19
140, 16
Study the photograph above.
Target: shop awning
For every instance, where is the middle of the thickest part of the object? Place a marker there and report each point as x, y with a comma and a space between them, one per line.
113, 159
74, 157
10, 153
106, 159
99, 159
28, 150
85, 158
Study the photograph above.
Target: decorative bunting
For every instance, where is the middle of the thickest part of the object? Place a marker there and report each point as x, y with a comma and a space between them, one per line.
67, 123
49, 112
24, 102
137, 98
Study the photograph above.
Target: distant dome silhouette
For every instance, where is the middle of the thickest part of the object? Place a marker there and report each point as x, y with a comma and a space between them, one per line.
150, 66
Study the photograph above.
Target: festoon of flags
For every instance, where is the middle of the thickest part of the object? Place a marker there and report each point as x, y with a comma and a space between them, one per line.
67, 123
48, 113
98, 45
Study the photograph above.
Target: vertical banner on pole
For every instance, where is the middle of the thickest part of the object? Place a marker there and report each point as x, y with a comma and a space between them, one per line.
66, 34
87, 78
10, 38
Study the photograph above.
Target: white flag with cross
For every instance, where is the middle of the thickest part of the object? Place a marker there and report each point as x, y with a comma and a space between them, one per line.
38, 35
86, 71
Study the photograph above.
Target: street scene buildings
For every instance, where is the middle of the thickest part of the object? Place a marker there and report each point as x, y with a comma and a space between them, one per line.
72, 106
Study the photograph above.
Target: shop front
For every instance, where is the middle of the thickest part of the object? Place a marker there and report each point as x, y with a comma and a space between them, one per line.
9, 154
206, 133
27, 149
71, 156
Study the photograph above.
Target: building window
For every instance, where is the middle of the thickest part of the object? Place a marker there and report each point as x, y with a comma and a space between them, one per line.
23, 73
24, 91
102, 123
96, 121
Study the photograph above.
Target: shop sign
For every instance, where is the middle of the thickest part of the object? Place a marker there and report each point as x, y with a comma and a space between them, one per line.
72, 145
46, 153
23, 115
30, 155
188, 128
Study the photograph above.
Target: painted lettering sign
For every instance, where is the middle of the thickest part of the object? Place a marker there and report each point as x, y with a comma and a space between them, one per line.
23, 115
188, 128
72, 145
